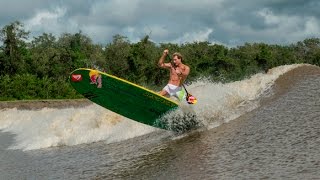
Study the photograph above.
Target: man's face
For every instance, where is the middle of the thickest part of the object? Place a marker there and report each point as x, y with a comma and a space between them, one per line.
176, 60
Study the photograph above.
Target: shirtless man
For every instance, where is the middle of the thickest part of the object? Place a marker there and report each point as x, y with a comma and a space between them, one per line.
178, 74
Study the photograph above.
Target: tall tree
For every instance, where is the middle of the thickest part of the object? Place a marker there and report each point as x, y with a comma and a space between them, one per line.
145, 57
117, 54
75, 50
13, 37
44, 54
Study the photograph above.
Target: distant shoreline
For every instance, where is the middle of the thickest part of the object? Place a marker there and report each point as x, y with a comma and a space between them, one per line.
39, 104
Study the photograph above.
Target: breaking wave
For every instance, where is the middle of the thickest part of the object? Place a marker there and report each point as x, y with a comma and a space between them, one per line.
218, 103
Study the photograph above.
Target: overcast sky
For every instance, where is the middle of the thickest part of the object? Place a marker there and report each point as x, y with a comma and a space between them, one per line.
227, 22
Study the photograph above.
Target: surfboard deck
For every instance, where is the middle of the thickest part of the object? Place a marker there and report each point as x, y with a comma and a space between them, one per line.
122, 97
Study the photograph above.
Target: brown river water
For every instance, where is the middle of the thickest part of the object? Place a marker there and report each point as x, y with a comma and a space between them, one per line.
264, 127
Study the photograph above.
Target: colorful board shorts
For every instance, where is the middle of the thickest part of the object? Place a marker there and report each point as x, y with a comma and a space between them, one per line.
175, 91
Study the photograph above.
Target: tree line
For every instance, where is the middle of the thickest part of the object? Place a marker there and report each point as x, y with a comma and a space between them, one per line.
40, 68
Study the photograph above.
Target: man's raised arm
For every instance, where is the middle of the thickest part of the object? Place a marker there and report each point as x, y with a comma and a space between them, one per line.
162, 58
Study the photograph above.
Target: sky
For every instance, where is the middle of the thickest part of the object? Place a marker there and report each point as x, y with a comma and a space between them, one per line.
226, 22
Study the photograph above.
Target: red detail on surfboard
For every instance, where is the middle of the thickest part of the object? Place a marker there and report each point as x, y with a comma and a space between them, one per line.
76, 77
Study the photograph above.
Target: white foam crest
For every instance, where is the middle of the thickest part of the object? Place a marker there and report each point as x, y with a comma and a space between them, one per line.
35, 129
219, 103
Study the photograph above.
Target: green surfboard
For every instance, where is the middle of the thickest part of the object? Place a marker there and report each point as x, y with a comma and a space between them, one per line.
122, 97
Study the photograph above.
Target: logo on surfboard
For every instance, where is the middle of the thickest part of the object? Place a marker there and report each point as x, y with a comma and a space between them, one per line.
76, 77
95, 78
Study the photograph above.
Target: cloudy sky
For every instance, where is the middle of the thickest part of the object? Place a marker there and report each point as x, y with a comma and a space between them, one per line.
227, 22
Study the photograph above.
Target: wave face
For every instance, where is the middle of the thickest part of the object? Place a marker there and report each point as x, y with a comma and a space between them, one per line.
217, 104
48, 127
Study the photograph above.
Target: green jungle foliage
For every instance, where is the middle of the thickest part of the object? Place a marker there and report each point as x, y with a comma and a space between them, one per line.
40, 69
